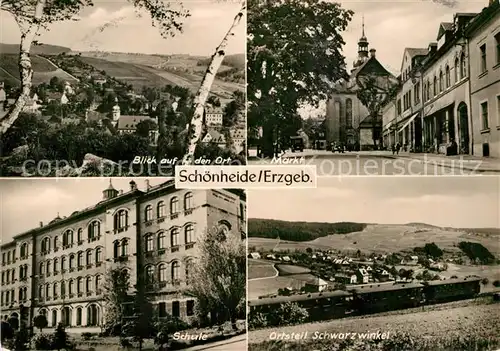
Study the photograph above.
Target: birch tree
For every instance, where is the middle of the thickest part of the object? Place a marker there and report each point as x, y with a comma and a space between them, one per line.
34, 15
196, 124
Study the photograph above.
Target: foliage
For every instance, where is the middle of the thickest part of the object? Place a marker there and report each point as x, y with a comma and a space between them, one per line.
42, 341
166, 326
140, 326
7, 332
398, 342
496, 283
60, 339
13, 322
218, 281
431, 250
257, 320
477, 252
299, 231
21, 340
40, 321
293, 55
116, 286
287, 313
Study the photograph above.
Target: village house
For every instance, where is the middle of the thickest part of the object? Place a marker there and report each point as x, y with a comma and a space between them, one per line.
57, 97
346, 278
384, 276
363, 276
213, 136
410, 261
238, 137
255, 255
312, 284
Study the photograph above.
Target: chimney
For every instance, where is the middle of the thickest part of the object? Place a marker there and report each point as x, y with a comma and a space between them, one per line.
121, 192
372, 52
41, 224
133, 186
148, 186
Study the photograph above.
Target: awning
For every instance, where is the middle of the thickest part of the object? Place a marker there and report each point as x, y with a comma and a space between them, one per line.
388, 125
434, 107
408, 122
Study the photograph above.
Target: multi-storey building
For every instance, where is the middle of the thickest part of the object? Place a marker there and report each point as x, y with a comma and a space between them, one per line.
483, 35
154, 234
459, 79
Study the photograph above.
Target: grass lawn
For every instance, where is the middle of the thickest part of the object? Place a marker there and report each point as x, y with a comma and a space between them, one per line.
287, 269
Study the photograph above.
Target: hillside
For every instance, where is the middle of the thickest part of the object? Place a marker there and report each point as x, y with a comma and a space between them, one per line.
43, 69
385, 238
236, 61
298, 231
42, 49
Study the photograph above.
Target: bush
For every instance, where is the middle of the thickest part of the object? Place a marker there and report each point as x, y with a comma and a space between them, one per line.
40, 321
60, 338
171, 324
6, 332
41, 342
496, 283
87, 336
257, 320
287, 313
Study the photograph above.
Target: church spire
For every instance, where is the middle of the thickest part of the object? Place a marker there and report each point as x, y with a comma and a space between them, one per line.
363, 26
362, 46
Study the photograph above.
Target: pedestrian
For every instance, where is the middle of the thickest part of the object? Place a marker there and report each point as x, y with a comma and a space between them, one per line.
393, 147
398, 147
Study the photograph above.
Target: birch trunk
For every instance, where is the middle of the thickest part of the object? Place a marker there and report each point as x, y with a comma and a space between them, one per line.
29, 31
201, 97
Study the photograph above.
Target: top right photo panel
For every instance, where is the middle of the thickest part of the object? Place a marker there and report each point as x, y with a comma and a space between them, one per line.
375, 87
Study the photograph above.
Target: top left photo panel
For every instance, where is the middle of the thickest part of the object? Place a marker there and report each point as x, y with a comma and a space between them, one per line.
121, 87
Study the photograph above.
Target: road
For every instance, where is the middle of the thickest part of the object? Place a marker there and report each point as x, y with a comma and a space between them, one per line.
237, 343
384, 163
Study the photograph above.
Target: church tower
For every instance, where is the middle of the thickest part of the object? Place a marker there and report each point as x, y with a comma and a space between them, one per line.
362, 47
116, 112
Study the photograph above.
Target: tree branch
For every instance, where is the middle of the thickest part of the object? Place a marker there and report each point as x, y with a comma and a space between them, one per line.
204, 90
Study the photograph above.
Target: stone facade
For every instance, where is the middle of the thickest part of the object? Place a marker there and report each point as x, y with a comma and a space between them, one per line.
154, 233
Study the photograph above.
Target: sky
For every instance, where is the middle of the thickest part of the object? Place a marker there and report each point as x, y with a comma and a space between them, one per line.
130, 31
392, 26
24, 203
460, 202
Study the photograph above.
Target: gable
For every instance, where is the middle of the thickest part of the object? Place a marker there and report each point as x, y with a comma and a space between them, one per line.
373, 67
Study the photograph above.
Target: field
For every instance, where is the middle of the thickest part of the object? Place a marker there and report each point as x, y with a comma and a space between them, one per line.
146, 70
43, 70
453, 319
287, 269
382, 238
267, 286
258, 269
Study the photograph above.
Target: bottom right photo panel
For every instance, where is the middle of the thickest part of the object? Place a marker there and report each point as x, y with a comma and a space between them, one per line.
389, 263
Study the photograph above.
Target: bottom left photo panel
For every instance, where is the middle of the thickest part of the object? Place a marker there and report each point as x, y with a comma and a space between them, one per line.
121, 263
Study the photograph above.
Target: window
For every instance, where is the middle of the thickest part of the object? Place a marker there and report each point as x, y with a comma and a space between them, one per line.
45, 245
161, 241
189, 234
174, 205
188, 201
63, 263
482, 50
56, 265
89, 257
149, 243
148, 213
79, 316
162, 309
441, 83
176, 309
498, 110
48, 268
79, 260
175, 270
448, 79
150, 273
98, 280
68, 238
124, 247
463, 66
55, 290
484, 114
98, 255
24, 250
162, 273
41, 291
79, 285
42, 268
56, 243
348, 113
435, 88
47, 290
190, 308
116, 249
71, 261
497, 40
94, 230
457, 70
121, 220
80, 236
63, 288
71, 287
88, 284
174, 237
160, 209
399, 106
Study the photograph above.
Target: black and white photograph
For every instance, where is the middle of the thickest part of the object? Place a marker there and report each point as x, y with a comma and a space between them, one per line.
121, 88
375, 87
380, 263
121, 264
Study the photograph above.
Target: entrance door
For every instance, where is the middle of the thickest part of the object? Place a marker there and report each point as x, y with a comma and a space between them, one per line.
418, 134
463, 126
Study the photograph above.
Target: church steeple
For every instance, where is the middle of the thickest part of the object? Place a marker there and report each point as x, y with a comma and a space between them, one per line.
362, 46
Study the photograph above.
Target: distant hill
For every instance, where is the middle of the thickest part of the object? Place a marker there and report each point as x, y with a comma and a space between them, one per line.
298, 231
487, 231
236, 61
42, 49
